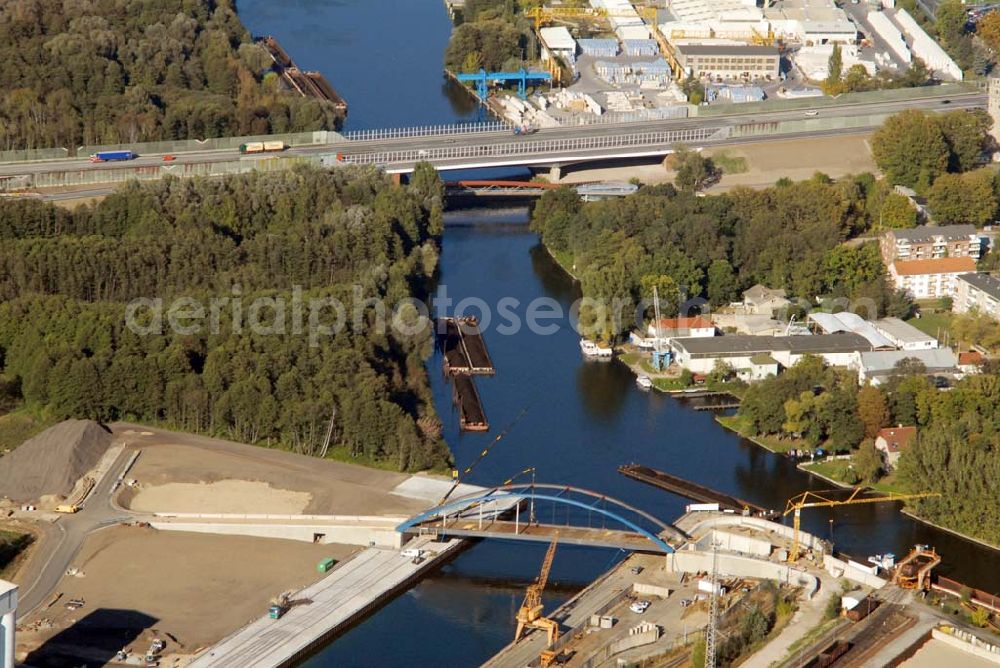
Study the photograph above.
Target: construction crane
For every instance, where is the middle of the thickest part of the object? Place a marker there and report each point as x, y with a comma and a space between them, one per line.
816, 500
530, 614
914, 571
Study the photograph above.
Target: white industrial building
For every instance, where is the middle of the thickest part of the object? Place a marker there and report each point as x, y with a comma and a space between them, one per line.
558, 43
927, 49
814, 61
746, 354
832, 323
811, 22
891, 35
8, 610
904, 335
876, 367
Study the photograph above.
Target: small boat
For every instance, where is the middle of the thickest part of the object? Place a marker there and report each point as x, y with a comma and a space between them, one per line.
644, 381
591, 349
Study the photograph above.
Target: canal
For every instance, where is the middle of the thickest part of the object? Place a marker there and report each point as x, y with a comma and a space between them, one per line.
579, 420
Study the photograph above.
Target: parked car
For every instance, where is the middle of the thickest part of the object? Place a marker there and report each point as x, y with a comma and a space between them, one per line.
639, 607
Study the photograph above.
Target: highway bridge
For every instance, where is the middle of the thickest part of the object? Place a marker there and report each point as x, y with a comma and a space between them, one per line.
398, 153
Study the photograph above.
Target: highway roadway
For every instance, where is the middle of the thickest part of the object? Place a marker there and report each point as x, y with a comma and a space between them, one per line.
944, 100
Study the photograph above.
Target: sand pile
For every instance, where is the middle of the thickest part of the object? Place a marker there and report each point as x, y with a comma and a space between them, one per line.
52, 462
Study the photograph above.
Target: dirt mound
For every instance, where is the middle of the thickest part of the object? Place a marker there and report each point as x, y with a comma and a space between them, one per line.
52, 462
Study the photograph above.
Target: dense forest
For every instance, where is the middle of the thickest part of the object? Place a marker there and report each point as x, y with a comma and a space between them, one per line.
957, 452
126, 71
789, 236
66, 279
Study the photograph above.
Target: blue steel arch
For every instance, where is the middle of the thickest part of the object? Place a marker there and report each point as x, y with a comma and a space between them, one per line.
522, 492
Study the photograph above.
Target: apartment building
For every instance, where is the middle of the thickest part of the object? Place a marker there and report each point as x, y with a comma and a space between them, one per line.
980, 292
930, 279
931, 243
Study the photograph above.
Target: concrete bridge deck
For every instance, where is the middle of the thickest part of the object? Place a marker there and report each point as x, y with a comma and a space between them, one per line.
543, 533
352, 590
551, 146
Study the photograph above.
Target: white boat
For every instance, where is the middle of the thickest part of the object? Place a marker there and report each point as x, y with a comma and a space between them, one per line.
591, 349
644, 381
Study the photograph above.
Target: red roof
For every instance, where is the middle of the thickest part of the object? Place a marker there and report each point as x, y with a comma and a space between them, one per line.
944, 265
968, 359
696, 322
897, 439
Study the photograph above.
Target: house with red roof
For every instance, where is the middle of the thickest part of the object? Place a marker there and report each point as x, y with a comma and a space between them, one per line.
893, 442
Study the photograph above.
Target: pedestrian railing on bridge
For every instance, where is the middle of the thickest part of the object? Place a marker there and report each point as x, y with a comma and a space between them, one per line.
380, 134
536, 147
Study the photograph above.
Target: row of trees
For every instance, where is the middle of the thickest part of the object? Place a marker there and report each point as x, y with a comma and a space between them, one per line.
110, 71
856, 78
914, 148
65, 344
787, 236
957, 451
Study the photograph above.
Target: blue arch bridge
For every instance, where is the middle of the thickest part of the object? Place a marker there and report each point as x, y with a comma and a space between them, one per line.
539, 512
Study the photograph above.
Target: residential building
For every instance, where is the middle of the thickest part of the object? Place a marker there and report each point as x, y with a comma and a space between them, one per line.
739, 351
980, 292
930, 279
761, 300
930, 243
892, 442
877, 366
845, 321
729, 60
674, 328
970, 363
904, 335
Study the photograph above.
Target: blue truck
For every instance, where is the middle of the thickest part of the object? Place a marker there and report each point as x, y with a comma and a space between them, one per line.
113, 156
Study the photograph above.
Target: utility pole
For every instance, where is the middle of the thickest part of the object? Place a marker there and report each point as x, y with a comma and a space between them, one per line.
713, 611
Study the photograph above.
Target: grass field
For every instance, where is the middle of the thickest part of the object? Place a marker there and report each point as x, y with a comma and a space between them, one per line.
932, 323
738, 424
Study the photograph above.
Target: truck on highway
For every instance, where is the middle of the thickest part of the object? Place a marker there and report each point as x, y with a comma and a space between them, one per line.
262, 147
522, 130
113, 156
68, 508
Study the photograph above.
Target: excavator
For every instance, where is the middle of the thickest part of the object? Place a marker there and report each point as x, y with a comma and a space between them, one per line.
530, 614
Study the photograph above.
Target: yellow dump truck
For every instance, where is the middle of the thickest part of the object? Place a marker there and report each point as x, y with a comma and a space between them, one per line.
68, 508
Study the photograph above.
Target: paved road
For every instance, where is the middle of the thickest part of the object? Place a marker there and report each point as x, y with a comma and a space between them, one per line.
62, 543
959, 100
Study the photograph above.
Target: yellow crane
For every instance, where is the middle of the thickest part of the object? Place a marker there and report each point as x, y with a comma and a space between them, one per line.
815, 500
530, 614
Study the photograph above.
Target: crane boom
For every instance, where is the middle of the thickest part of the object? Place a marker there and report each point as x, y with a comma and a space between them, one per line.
543, 575
809, 499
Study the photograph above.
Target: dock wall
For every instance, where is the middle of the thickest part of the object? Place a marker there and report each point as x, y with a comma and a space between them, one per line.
840, 568
967, 643
733, 565
806, 539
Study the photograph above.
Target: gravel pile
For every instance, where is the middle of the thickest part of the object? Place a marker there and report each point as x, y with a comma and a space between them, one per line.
52, 462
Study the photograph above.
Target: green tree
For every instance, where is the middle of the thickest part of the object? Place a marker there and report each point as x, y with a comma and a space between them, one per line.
722, 283
868, 462
832, 84
897, 213
693, 170
910, 148
963, 198
873, 410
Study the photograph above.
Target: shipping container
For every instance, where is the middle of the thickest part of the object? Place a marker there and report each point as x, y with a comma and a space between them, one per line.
326, 564
112, 156
701, 507
274, 146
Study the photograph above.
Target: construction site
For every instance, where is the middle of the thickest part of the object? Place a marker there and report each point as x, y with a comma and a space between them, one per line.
623, 61
159, 548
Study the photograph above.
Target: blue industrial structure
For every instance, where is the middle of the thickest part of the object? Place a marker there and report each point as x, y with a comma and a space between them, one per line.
483, 78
